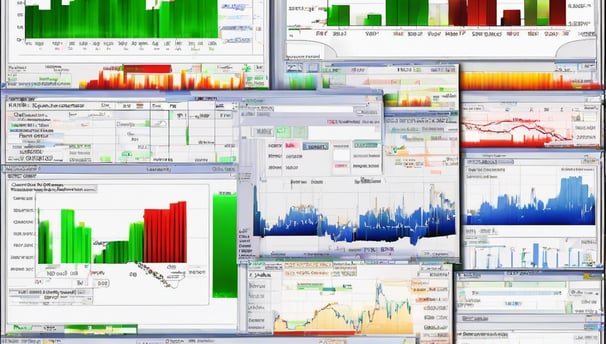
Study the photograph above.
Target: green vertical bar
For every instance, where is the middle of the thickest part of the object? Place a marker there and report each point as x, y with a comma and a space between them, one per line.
60, 16
373, 20
99, 258
124, 245
79, 243
115, 23
140, 240
41, 243
138, 243
45, 243
67, 235
103, 18
135, 242
530, 12
332, 15
344, 15
71, 235
81, 19
225, 268
150, 23
116, 252
310, 82
110, 254
88, 245
125, 256
63, 236
187, 135
391, 12
178, 22
131, 242
211, 19
136, 21
155, 23
403, 12
422, 9
119, 252
542, 12
49, 245
31, 17
164, 20
413, 12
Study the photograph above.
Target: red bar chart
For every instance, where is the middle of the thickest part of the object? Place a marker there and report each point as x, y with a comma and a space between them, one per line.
165, 234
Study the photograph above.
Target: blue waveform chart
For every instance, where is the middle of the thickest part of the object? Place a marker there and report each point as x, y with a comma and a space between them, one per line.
384, 224
573, 205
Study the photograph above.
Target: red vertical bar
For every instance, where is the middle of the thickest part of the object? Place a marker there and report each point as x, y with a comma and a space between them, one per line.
491, 12
156, 231
457, 13
173, 233
161, 240
557, 12
101, 78
160, 236
152, 236
512, 18
170, 242
167, 244
473, 12
170, 228
146, 235
482, 13
174, 213
180, 232
183, 219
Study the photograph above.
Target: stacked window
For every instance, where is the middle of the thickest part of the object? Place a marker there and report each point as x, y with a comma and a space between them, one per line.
322, 171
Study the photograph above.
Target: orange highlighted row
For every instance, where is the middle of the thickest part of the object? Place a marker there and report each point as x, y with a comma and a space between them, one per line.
131, 78
404, 100
520, 81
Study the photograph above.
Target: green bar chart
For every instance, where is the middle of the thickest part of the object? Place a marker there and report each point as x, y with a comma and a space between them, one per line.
123, 19
225, 276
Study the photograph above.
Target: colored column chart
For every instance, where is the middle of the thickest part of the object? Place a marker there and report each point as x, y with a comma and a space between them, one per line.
149, 44
345, 298
122, 249
483, 29
525, 214
123, 19
98, 231
159, 238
